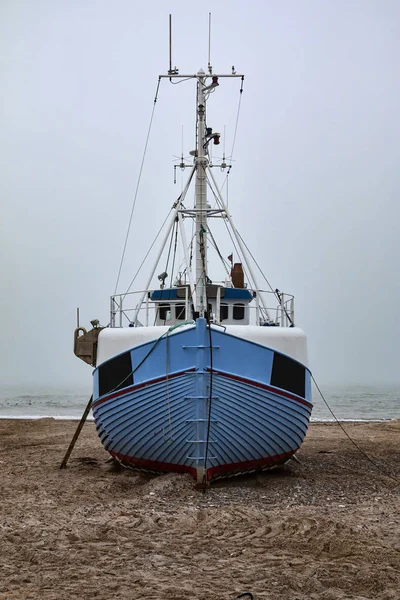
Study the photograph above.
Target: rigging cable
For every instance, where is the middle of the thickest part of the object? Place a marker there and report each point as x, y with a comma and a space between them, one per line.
179, 200
175, 226
235, 132
170, 246
175, 249
215, 246
257, 265
378, 467
147, 254
180, 81
276, 292
228, 229
237, 117
137, 186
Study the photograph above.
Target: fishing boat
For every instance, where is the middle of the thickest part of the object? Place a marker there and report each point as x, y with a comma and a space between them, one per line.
194, 375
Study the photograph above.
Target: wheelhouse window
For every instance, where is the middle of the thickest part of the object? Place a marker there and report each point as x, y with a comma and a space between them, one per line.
164, 309
210, 310
180, 310
223, 312
238, 312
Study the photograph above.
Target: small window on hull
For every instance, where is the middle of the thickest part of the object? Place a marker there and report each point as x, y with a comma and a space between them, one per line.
288, 374
115, 374
238, 312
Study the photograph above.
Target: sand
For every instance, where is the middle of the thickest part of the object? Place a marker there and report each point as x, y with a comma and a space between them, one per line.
327, 527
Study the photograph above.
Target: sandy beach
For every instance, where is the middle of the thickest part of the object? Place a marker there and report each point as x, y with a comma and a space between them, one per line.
327, 527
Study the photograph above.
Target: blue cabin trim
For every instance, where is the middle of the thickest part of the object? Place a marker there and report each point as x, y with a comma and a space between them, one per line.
237, 294
226, 294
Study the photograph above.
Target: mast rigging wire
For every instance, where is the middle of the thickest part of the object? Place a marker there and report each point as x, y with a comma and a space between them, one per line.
174, 254
137, 187
250, 279
257, 265
218, 203
235, 132
237, 117
169, 249
147, 254
275, 292
178, 201
229, 230
180, 81
215, 246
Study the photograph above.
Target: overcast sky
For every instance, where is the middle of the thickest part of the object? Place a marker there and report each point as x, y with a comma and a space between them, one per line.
314, 191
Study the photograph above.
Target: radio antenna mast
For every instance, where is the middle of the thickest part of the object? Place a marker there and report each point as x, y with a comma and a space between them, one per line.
209, 44
170, 43
171, 71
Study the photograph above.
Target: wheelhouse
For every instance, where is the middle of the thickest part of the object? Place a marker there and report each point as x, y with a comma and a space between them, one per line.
225, 305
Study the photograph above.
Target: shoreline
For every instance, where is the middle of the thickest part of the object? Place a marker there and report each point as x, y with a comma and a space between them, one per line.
71, 418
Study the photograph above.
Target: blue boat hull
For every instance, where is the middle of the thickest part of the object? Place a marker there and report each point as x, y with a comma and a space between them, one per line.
204, 402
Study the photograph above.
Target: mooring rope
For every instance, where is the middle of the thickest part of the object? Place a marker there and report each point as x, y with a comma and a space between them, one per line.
378, 467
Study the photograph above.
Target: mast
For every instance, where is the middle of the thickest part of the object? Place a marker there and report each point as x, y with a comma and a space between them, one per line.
204, 135
201, 162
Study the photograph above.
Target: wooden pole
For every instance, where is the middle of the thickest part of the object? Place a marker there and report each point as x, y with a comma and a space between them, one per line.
76, 434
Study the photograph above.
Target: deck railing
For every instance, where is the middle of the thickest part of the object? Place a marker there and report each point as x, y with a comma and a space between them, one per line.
138, 309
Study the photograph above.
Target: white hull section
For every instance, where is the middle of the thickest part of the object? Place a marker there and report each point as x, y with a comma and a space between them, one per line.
115, 340
290, 341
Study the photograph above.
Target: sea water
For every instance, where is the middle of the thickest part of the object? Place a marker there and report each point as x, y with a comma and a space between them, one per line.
35, 402
356, 403
353, 402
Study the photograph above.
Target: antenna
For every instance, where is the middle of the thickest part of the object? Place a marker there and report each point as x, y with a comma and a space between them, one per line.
170, 43
209, 44
171, 71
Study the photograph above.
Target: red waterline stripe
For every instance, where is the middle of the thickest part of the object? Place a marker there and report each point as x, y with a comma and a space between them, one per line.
264, 386
153, 465
163, 467
133, 388
249, 465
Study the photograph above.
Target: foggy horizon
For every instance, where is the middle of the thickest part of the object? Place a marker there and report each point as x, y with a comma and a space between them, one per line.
313, 190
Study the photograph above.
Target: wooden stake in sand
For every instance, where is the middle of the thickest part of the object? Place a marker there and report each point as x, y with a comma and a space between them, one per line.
76, 434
